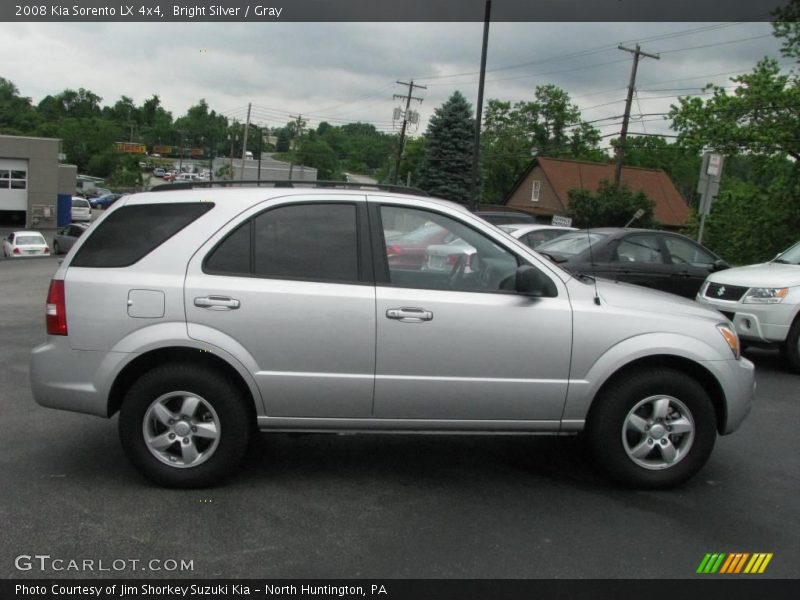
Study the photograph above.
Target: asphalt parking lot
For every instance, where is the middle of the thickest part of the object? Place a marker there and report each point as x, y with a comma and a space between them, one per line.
321, 506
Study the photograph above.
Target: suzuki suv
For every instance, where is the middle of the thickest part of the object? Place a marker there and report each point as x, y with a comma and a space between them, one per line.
762, 301
232, 310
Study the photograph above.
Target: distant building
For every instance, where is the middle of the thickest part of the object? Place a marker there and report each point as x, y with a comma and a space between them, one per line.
543, 189
31, 180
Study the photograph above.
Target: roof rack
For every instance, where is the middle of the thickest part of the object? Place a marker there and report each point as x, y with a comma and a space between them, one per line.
287, 183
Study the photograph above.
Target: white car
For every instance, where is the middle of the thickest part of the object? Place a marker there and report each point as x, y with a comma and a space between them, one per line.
448, 257
188, 177
81, 209
25, 243
762, 301
534, 235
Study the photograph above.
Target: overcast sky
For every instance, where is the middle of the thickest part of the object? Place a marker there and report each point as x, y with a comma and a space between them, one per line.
346, 72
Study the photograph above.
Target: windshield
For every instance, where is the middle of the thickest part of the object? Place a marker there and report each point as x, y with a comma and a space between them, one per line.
30, 240
78, 203
571, 244
791, 256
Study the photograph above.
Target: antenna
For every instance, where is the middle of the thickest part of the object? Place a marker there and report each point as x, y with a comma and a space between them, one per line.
591, 260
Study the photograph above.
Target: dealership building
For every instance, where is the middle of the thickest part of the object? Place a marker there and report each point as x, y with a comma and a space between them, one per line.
31, 181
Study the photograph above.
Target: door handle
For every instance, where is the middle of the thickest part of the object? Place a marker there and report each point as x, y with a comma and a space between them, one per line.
409, 315
217, 303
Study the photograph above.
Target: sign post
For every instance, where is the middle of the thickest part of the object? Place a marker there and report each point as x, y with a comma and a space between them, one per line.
708, 186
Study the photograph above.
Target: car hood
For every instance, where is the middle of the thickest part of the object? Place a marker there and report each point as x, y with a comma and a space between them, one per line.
770, 274
644, 299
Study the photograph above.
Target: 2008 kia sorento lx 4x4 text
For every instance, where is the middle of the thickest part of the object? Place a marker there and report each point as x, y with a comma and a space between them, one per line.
272, 308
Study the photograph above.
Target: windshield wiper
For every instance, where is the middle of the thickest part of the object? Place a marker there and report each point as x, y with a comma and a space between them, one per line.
783, 262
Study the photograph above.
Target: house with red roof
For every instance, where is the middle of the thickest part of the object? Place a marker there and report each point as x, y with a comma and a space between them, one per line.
543, 189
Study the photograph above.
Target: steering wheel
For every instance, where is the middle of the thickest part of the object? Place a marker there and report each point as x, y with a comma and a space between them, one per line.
458, 271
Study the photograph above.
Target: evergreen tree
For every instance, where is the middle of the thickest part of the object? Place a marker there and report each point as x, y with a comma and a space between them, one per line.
447, 165
282, 144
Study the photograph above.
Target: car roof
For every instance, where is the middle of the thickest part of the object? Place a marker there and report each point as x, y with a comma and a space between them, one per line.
248, 196
27, 232
528, 227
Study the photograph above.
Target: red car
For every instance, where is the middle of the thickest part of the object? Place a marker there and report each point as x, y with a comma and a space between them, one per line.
408, 250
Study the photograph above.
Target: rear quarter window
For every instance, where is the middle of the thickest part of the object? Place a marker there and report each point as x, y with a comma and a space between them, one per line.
132, 232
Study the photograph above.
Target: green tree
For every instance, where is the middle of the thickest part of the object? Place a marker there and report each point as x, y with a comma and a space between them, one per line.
680, 162
612, 206
17, 114
757, 127
449, 141
314, 152
549, 125
282, 144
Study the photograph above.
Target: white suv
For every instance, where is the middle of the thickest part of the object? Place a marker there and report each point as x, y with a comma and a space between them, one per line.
762, 301
234, 309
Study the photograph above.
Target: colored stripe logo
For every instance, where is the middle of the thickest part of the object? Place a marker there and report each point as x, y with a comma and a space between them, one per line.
734, 563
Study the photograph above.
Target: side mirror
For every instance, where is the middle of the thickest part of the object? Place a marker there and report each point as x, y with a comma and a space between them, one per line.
530, 281
720, 265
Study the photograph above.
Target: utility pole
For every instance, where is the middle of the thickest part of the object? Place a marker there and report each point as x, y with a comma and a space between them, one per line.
244, 145
260, 145
637, 52
300, 123
476, 153
408, 98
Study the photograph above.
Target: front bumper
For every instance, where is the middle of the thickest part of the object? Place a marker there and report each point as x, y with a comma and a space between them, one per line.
737, 378
766, 323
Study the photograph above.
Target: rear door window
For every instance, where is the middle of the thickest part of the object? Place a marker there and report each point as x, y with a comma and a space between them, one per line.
310, 242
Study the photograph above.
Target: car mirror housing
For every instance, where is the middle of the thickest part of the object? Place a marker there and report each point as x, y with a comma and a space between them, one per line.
530, 281
719, 265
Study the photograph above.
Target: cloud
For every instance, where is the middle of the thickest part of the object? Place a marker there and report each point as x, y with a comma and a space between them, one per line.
347, 71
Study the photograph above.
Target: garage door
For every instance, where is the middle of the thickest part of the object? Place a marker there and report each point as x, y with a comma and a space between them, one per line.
13, 184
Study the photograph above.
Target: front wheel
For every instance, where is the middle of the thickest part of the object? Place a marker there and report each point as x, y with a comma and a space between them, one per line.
791, 347
184, 426
655, 429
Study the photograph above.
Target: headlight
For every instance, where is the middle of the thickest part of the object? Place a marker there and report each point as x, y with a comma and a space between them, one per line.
730, 336
765, 295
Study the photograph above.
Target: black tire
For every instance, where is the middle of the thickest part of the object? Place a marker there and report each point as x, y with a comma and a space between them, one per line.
56, 249
229, 408
791, 347
606, 428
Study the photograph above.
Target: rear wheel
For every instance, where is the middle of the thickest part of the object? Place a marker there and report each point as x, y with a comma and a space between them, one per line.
655, 429
184, 426
56, 249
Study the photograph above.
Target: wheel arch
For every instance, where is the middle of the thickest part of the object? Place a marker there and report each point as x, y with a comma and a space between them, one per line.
679, 363
160, 356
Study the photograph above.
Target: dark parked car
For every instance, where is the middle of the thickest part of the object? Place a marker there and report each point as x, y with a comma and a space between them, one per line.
66, 236
656, 259
505, 217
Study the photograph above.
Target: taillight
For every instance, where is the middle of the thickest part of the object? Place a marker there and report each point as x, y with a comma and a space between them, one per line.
56, 308
16, 251
394, 250
47, 250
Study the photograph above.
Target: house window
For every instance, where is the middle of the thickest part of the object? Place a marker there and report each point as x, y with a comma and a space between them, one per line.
535, 189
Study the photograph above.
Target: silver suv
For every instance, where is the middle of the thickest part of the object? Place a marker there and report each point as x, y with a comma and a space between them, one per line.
202, 315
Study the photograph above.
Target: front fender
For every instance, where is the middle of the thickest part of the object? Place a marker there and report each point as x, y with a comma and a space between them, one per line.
583, 388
